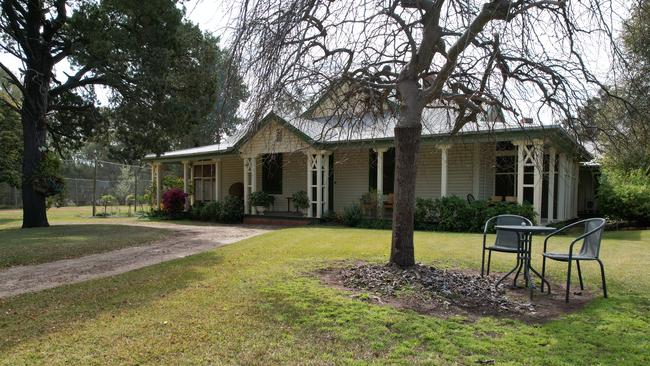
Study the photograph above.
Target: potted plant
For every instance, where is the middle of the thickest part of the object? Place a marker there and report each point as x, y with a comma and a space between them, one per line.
261, 201
300, 201
369, 203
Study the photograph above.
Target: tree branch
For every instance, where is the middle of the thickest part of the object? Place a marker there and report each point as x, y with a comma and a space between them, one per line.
14, 79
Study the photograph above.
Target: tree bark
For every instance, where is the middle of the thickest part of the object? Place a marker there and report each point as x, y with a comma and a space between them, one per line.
407, 145
33, 116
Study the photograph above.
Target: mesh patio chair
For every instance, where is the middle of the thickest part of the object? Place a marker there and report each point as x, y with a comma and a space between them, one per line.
506, 241
591, 237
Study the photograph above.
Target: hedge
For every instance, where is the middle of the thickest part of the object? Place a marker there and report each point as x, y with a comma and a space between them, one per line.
625, 196
230, 210
445, 214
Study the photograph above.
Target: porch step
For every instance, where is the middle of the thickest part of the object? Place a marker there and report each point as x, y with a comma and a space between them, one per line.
277, 220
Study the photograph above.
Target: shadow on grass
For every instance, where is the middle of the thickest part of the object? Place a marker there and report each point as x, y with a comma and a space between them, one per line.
31, 316
9, 221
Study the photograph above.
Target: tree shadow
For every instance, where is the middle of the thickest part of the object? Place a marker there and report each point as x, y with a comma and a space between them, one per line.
8, 221
30, 316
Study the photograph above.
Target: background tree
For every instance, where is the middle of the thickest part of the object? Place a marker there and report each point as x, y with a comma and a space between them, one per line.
222, 119
619, 125
155, 66
461, 56
125, 183
10, 133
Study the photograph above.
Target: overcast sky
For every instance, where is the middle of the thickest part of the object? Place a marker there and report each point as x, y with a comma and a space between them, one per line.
216, 17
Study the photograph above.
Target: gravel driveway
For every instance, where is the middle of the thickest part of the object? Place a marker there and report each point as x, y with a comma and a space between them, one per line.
185, 240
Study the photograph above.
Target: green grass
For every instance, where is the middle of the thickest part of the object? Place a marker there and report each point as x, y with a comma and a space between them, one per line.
33, 246
82, 214
255, 302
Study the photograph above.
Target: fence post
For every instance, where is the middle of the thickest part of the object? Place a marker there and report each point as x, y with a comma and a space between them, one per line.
94, 187
135, 189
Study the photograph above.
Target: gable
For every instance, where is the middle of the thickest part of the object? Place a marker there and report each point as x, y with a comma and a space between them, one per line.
273, 137
346, 98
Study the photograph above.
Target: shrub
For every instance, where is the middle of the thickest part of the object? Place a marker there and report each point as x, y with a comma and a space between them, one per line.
300, 200
455, 214
211, 212
625, 195
195, 211
352, 216
261, 198
174, 201
426, 215
375, 223
232, 209
172, 181
107, 200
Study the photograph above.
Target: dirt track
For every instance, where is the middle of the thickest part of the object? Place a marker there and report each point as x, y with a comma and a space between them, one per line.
185, 240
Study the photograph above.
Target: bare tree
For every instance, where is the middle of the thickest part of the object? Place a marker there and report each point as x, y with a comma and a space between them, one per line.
466, 56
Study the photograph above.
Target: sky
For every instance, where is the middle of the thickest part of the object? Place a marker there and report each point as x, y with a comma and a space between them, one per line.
216, 17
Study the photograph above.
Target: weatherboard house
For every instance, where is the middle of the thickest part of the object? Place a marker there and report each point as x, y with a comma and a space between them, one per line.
336, 160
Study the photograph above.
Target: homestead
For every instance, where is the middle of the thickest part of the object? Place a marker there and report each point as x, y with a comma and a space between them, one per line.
343, 147
337, 160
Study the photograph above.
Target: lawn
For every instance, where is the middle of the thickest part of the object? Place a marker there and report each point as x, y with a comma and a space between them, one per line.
86, 236
82, 214
256, 302
33, 246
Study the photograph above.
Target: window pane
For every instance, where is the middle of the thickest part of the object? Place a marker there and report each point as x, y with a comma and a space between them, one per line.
504, 185
528, 194
197, 170
505, 164
207, 170
529, 175
372, 170
272, 173
505, 146
207, 190
197, 189
389, 171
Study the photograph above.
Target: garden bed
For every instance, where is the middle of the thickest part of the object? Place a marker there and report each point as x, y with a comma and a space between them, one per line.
445, 292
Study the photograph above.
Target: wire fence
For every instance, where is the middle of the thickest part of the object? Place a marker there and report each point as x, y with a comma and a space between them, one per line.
93, 182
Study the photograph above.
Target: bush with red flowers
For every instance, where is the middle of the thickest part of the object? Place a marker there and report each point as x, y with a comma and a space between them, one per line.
174, 201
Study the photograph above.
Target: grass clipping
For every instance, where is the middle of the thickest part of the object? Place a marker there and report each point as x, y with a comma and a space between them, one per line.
428, 290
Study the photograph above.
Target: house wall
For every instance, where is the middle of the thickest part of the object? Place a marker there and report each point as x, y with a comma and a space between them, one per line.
273, 138
350, 176
232, 171
351, 172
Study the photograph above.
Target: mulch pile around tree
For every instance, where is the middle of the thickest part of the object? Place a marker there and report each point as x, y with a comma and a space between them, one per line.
443, 292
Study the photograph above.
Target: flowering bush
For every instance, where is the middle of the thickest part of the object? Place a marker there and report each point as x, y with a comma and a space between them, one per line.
174, 201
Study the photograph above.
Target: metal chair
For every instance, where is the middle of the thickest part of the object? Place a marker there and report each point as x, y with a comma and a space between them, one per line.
591, 237
506, 241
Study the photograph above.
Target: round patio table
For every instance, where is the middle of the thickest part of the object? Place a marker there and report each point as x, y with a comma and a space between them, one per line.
525, 234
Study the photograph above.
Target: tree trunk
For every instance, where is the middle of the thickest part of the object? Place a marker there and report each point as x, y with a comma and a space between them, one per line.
33, 116
407, 145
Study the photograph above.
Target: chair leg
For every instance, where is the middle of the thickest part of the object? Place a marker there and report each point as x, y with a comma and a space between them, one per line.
483, 262
489, 260
582, 287
543, 273
568, 282
602, 274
